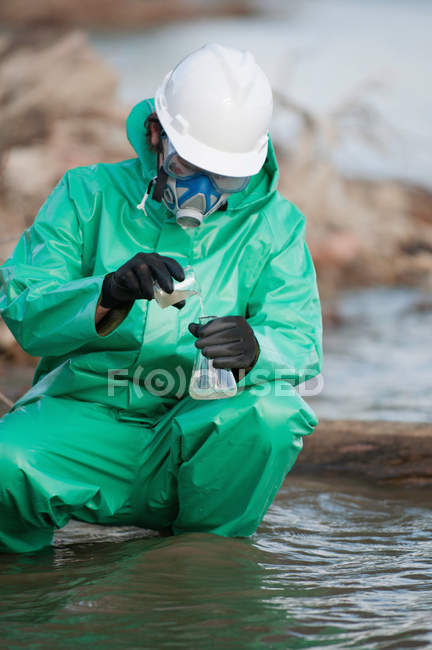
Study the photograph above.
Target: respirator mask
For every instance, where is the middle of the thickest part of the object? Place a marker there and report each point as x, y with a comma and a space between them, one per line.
190, 192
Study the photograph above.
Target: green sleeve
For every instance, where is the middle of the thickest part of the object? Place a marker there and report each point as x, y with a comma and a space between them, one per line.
46, 299
285, 314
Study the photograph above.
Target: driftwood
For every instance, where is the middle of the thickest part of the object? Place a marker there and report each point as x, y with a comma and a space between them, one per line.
398, 453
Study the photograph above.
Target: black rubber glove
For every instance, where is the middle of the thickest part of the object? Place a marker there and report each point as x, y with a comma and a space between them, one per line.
230, 341
134, 279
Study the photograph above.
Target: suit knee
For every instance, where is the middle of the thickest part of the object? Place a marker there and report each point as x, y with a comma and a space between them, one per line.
269, 425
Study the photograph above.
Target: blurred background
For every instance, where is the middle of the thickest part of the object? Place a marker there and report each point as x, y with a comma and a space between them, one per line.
353, 136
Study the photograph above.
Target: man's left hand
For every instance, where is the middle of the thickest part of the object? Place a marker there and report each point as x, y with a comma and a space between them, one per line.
230, 341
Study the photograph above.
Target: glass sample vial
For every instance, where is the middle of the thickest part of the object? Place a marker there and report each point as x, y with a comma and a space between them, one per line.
208, 382
182, 290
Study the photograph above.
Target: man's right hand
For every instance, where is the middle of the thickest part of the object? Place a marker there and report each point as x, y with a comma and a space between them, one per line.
135, 279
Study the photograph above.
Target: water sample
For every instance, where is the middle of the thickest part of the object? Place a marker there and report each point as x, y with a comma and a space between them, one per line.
182, 290
208, 382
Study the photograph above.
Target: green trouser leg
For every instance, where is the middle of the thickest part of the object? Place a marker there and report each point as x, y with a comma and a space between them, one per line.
61, 458
225, 461
211, 466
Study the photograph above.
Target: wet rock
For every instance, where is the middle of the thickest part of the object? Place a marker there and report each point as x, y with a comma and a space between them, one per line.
360, 232
58, 110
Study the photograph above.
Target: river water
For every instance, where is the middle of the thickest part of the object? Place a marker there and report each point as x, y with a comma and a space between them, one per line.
335, 564
378, 360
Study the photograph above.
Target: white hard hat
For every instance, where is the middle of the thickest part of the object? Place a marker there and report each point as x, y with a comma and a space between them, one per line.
215, 106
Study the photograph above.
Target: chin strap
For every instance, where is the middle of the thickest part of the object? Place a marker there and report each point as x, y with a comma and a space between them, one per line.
141, 205
159, 182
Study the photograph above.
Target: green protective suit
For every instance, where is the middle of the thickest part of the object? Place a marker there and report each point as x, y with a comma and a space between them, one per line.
131, 447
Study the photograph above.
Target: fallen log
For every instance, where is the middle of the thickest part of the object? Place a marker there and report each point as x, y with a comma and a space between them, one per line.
382, 452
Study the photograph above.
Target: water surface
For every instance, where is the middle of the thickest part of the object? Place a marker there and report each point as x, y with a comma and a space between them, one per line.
377, 362
334, 564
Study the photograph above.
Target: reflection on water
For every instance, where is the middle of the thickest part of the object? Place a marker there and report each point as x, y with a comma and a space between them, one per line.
333, 564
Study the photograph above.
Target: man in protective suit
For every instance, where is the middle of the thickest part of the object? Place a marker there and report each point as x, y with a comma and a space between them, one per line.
108, 433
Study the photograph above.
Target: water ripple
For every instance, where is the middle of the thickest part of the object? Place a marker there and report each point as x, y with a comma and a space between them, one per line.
334, 564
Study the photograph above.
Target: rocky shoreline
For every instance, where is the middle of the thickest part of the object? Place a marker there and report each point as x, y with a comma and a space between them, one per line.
58, 110
361, 232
